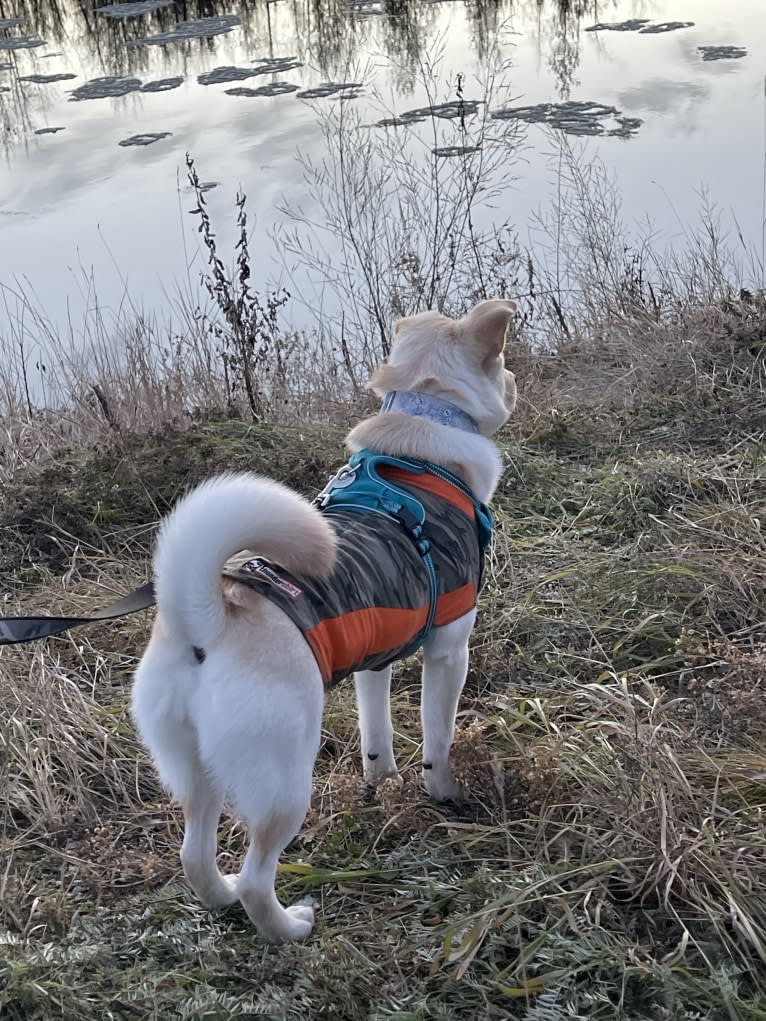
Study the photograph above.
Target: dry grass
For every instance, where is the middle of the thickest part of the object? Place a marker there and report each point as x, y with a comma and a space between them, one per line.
610, 861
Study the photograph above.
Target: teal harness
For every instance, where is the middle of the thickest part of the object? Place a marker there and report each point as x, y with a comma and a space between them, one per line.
359, 486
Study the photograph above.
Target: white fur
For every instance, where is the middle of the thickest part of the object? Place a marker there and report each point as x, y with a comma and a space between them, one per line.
244, 723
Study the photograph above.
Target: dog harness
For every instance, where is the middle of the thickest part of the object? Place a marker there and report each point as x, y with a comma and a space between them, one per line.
411, 542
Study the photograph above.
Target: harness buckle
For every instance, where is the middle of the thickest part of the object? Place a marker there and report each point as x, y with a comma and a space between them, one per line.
344, 478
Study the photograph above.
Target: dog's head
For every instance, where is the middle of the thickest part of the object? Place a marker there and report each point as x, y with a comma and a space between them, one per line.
459, 360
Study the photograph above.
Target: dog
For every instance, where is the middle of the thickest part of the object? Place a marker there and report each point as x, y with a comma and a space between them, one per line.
228, 695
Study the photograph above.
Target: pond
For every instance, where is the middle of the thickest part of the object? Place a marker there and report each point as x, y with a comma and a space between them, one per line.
98, 108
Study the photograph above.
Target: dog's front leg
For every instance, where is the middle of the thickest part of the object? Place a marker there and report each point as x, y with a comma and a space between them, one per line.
373, 696
445, 665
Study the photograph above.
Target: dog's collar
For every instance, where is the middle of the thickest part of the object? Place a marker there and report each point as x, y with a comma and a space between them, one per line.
411, 402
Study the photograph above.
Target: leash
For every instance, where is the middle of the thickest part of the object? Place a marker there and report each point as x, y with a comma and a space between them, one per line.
366, 491
28, 629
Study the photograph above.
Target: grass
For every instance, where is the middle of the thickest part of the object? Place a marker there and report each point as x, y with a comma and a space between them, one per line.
610, 861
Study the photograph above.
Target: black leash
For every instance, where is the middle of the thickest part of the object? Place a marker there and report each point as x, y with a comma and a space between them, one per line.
28, 629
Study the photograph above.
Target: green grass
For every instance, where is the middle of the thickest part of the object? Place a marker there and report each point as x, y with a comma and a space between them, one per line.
610, 861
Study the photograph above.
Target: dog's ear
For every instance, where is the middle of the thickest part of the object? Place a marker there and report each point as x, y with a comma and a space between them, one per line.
488, 323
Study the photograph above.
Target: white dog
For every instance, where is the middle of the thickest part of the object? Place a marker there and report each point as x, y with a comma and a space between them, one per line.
228, 696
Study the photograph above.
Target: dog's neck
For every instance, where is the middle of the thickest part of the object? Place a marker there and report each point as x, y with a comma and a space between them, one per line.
422, 405
472, 457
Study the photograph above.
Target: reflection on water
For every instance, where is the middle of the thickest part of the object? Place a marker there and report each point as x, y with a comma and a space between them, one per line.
331, 35
95, 122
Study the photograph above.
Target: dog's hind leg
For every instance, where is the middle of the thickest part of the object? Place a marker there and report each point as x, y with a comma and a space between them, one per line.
373, 696
261, 735
160, 710
274, 801
202, 810
445, 665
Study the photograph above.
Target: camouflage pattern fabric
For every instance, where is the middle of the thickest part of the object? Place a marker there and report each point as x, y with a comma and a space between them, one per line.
373, 609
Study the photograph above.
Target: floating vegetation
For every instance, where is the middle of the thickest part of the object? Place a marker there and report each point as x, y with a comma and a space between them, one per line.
5, 67
20, 42
447, 111
149, 138
48, 131
45, 79
226, 74
5, 88
631, 25
722, 52
105, 88
328, 89
131, 10
195, 28
208, 186
264, 65
162, 85
11, 22
628, 126
455, 150
276, 65
665, 26
273, 89
641, 25
574, 117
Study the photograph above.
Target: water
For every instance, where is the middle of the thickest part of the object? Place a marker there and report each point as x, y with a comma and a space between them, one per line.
77, 202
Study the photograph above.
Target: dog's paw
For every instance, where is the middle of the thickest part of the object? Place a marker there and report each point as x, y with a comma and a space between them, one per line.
300, 921
380, 769
443, 787
225, 894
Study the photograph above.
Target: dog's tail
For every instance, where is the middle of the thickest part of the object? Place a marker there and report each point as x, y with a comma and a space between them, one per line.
218, 519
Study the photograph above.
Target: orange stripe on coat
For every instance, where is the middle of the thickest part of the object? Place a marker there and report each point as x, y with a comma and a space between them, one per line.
340, 643
431, 484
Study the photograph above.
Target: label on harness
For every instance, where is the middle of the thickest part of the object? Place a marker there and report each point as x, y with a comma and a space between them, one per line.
260, 567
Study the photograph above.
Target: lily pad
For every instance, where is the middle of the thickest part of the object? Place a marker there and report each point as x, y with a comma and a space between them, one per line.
49, 131
162, 85
446, 111
574, 117
274, 89
105, 88
722, 52
11, 22
20, 42
44, 79
276, 65
455, 150
132, 10
226, 74
631, 25
148, 138
195, 28
5, 67
665, 26
327, 89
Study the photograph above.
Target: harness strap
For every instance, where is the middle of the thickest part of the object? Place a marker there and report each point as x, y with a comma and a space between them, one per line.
27, 629
359, 485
